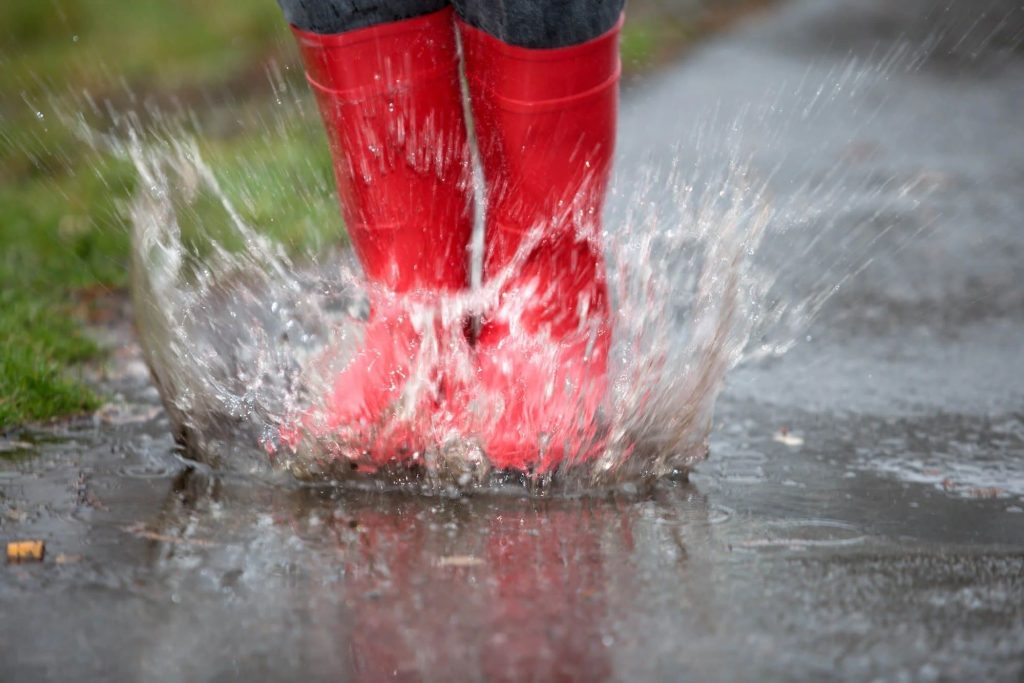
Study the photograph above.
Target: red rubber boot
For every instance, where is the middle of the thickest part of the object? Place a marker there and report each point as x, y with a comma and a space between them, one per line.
390, 99
545, 125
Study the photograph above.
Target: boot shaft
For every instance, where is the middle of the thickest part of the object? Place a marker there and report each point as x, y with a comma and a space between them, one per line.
390, 100
545, 124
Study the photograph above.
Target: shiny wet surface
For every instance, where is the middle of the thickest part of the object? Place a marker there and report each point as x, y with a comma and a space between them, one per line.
775, 562
861, 514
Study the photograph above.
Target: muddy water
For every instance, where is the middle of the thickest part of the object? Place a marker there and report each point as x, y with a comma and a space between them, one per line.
861, 514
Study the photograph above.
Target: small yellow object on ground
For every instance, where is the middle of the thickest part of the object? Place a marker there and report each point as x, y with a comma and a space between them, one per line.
459, 561
787, 438
25, 551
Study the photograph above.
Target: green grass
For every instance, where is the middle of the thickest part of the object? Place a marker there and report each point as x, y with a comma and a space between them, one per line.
38, 348
61, 222
55, 238
62, 232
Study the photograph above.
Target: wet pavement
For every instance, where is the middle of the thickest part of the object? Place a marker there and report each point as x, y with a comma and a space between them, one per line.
861, 515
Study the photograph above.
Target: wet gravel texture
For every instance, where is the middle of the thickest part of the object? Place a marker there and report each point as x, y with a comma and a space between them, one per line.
880, 536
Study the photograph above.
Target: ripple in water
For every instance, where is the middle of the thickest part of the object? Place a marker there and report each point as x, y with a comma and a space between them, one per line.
801, 534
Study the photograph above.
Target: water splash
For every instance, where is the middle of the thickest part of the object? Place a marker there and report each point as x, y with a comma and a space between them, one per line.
706, 270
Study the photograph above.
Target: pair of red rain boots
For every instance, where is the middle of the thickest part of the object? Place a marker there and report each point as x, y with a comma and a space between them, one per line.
544, 121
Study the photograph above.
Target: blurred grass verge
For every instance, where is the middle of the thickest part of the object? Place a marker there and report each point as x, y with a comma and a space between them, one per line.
62, 228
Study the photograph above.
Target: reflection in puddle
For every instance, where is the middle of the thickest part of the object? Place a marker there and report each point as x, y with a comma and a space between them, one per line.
385, 585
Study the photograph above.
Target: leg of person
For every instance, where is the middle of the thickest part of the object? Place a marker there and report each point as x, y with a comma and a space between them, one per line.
543, 80
385, 75
326, 17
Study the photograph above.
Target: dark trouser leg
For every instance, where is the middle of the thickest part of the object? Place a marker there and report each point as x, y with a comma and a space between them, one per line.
541, 23
338, 16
